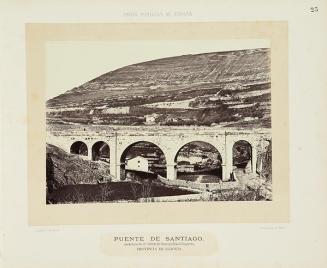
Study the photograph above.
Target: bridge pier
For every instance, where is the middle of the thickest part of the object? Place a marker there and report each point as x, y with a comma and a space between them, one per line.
227, 170
118, 172
254, 157
225, 174
171, 171
228, 163
89, 151
113, 162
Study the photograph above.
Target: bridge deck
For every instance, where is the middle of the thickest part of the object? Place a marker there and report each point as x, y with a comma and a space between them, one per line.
71, 130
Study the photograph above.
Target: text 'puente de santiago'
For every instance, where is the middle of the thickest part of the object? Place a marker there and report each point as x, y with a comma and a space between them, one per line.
169, 139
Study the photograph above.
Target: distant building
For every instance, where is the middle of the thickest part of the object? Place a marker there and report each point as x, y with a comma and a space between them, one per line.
171, 119
190, 159
96, 120
116, 110
248, 118
214, 98
138, 163
153, 154
186, 168
183, 163
150, 119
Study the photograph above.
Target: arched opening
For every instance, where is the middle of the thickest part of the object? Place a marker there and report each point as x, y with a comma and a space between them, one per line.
199, 161
142, 160
242, 156
78, 147
101, 151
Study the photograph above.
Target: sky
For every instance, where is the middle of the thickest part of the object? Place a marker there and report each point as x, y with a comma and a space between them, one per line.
71, 64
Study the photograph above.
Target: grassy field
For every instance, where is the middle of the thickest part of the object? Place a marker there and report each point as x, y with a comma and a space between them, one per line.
110, 192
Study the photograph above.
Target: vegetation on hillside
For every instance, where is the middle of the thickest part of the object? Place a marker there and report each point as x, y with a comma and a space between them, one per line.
67, 169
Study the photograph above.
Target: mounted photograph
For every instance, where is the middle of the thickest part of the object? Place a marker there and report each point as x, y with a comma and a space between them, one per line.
158, 121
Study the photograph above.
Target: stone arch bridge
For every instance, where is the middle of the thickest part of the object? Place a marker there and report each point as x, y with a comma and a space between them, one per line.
169, 139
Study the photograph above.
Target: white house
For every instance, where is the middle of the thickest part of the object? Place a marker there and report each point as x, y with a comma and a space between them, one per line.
138, 163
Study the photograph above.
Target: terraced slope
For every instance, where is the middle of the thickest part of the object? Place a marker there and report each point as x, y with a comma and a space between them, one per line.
220, 88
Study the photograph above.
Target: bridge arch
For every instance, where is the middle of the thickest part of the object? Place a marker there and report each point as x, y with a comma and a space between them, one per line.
243, 155
101, 150
79, 147
148, 156
198, 161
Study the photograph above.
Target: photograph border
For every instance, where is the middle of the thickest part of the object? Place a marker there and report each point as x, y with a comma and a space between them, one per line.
277, 210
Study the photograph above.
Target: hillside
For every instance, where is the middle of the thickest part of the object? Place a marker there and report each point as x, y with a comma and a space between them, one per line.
220, 88
67, 169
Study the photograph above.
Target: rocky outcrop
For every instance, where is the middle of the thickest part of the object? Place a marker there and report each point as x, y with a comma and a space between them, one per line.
264, 166
66, 169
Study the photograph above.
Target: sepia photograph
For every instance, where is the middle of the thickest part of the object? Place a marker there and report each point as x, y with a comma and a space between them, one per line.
144, 134
168, 121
